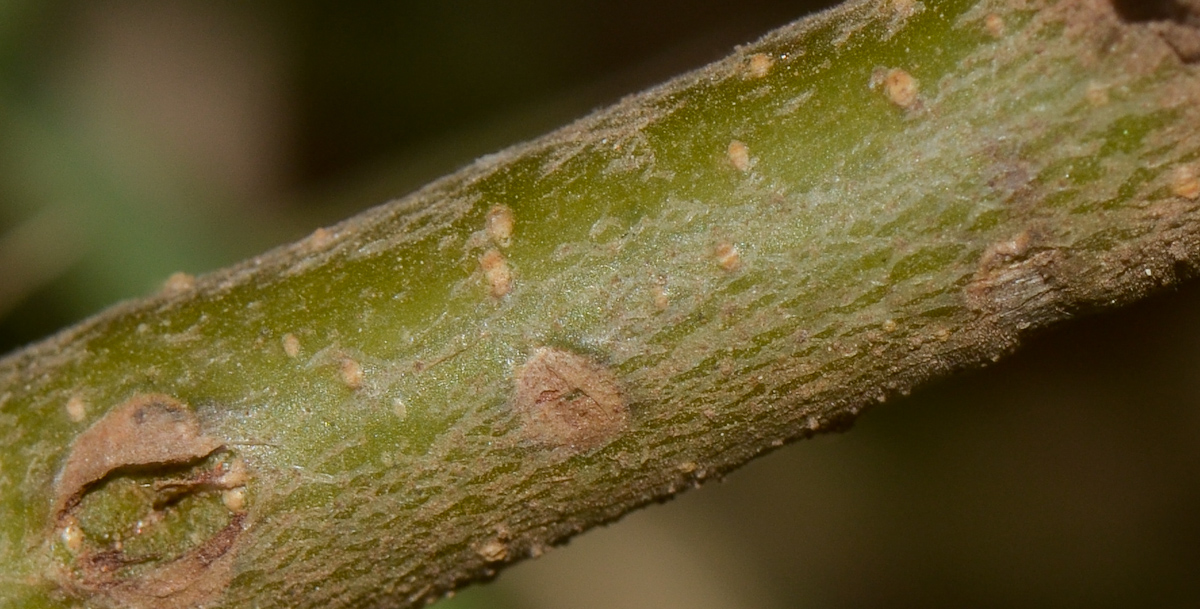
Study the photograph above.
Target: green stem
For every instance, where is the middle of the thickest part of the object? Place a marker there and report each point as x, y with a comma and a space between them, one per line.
559, 333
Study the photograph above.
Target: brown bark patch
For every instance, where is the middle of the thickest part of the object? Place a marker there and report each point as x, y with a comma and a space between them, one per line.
569, 400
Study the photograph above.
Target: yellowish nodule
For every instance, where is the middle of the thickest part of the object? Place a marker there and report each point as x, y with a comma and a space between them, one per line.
496, 272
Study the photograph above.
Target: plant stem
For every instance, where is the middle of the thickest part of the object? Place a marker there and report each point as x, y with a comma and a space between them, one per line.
747, 255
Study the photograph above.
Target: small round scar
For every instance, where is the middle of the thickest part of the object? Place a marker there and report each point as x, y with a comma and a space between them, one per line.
739, 155
499, 225
899, 87
659, 295
494, 550
727, 256
320, 238
76, 409
569, 400
291, 345
234, 499
993, 24
179, 283
72, 537
496, 272
759, 65
351, 373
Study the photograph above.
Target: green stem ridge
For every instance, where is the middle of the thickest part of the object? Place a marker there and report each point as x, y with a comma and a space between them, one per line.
750, 254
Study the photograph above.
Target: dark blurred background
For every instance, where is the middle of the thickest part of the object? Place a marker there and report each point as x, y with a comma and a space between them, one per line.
139, 137
143, 137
